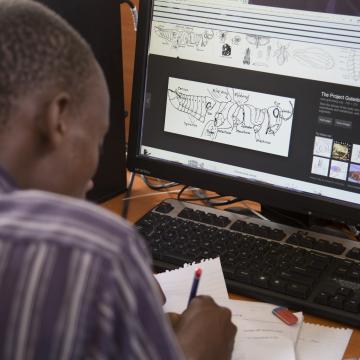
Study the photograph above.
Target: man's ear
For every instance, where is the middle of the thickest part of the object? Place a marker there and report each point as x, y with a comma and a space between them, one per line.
53, 122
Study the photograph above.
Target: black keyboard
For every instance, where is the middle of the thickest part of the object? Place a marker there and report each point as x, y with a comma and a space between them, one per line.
308, 271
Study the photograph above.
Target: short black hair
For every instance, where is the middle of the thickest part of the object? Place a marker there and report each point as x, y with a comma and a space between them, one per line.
38, 49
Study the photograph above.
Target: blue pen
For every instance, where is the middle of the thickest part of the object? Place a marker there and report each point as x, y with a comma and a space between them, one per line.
195, 284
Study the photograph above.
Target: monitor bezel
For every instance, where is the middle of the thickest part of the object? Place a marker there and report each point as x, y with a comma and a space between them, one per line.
301, 203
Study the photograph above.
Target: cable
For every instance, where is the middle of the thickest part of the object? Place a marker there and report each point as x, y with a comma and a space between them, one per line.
208, 200
199, 197
153, 194
125, 209
256, 213
134, 12
157, 187
181, 192
225, 202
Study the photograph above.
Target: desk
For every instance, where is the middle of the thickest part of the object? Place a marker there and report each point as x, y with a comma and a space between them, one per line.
139, 205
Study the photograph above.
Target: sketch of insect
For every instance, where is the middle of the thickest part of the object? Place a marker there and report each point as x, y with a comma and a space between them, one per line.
182, 37
353, 65
282, 54
247, 58
231, 116
236, 40
223, 36
208, 34
268, 52
196, 106
314, 57
226, 50
323, 147
257, 40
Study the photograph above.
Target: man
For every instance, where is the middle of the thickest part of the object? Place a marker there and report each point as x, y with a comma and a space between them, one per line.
75, 280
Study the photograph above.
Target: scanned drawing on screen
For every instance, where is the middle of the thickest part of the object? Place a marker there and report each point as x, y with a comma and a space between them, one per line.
282, 54
323, 146
353, 65
183, 36
257, 40
254, 51
314, 57
230, 116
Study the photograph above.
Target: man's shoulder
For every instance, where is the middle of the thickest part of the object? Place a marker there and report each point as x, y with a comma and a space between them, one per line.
67, 219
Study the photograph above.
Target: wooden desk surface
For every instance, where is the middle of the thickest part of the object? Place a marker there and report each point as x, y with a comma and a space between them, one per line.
139, 205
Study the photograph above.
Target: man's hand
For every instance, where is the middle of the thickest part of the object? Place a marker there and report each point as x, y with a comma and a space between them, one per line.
205, 330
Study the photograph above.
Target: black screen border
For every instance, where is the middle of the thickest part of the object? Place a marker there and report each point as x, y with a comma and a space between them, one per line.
312, 205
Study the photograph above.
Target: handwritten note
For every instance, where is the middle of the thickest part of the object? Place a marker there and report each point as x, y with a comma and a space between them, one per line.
176, 284
260, 334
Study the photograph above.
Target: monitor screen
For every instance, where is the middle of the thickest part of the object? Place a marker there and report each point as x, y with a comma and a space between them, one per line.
258, 99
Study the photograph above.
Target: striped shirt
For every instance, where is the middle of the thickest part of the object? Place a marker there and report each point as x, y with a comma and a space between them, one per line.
75, 283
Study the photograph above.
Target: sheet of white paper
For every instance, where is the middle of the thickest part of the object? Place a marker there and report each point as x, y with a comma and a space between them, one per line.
256, 320
320, 342
176, 284
260, 334
269, 349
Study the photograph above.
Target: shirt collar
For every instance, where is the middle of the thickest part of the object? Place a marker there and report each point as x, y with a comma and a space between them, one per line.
7, 183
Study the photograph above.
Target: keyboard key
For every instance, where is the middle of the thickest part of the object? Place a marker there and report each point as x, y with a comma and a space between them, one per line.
289, 276
238, 225
337, 249
354, 275
164, 208
337, 301
260, 280
307, 242
318, 261
278, 285
322, 298
352, 305
341, 272
344, 291
298, 290
277, 234
322, 245
243, 276
305, 271
354, 253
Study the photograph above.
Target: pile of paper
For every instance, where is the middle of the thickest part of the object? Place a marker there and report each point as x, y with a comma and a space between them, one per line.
260, 334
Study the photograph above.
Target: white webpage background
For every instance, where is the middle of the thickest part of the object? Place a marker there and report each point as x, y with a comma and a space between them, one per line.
304, 44
273, 180
236, 117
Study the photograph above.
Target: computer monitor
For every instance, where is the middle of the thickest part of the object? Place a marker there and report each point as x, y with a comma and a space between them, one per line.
98, 21
259, 99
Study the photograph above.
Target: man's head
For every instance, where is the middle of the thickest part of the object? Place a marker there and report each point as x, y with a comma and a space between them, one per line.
53, 101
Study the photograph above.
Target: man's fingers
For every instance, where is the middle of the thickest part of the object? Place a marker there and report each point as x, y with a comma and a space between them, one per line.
174, 319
